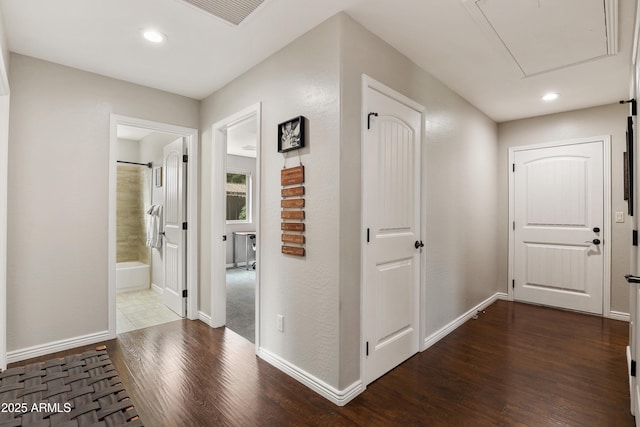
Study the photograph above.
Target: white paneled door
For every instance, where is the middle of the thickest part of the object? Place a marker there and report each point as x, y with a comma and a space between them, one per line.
391, 215
558, 257
174, 241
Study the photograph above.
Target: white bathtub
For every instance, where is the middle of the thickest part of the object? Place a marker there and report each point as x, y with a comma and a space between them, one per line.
131, 276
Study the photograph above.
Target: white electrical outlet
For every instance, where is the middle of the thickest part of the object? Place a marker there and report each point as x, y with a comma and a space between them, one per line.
280, 322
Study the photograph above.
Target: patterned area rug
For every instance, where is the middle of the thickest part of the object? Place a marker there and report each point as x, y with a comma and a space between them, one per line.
78, 390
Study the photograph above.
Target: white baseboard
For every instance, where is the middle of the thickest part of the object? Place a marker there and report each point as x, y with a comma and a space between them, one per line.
447, 329
53, 347
339, 397
619, 315
205, 318
132, 288
157, 289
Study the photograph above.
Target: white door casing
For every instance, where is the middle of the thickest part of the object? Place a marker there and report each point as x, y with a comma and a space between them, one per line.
559, 234
174, 235
391, 190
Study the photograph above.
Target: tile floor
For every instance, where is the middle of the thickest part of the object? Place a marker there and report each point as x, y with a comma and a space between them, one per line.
141, 309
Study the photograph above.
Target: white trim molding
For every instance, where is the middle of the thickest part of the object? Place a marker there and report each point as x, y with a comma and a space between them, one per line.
452, 326
339, 397
619, 315
55, 346
157, 289
204, 318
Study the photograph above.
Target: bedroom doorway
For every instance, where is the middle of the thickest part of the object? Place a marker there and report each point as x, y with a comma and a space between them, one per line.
235, 216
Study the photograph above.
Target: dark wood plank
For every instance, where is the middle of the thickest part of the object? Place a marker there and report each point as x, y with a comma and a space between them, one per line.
292, 203
292, 214
292, 226
293, 191
291, 176
516, 365
293, 238
293, 250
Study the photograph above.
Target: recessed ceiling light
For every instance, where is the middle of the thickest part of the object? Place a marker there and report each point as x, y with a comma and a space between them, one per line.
154, 36
551, 96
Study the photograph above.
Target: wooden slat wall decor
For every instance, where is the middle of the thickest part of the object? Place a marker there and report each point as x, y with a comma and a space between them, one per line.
293, 238
292, 213
292, 226
292, 203
293, 191
293, 250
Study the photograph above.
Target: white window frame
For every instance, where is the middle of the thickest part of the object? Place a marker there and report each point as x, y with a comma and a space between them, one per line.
249, 176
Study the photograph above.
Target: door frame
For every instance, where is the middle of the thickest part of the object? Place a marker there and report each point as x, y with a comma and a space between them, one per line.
191, 267
368, 82
606, 158
218, 215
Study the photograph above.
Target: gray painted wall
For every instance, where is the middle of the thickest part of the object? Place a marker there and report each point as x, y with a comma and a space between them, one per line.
58, 194
319, 76
301, 79
460, 181
603, 120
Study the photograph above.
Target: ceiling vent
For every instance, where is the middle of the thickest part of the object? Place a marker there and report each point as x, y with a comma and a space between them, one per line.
231, 11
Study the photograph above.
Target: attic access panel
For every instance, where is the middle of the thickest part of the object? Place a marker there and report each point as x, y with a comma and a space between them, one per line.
231, 11
545, 35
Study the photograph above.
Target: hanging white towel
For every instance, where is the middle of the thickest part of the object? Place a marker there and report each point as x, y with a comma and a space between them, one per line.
154, 226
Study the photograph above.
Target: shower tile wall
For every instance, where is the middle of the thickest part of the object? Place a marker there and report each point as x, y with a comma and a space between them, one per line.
133, 199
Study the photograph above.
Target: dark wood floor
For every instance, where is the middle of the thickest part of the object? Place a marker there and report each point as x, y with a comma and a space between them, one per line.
516, 365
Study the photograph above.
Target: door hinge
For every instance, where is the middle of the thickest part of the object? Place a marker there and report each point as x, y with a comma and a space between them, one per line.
634, 237
185, 158
367, 235
514, 225
367, 349
369, 119
184, 293
184, 225
513, 284
224, 237
513, 167
633, 368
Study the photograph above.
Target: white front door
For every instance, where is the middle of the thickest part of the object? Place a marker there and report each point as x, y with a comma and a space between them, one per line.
174, 242
559, 226
391, 216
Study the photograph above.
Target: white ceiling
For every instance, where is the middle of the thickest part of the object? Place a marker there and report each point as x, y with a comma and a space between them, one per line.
503, 71
242, 138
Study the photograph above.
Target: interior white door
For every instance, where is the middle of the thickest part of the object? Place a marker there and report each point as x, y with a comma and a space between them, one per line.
391, 215
174, 243
559, 215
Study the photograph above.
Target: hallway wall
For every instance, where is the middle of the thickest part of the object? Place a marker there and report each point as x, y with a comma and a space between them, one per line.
603, 120
58, 194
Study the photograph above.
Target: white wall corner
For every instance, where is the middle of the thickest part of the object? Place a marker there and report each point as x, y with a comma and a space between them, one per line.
452, 326
338, 397
55, 346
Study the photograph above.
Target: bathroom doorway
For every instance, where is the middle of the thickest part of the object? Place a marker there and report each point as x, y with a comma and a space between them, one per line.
140, 244
150, 281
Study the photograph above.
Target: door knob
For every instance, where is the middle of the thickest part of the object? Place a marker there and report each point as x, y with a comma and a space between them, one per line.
594, 241
418, 244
